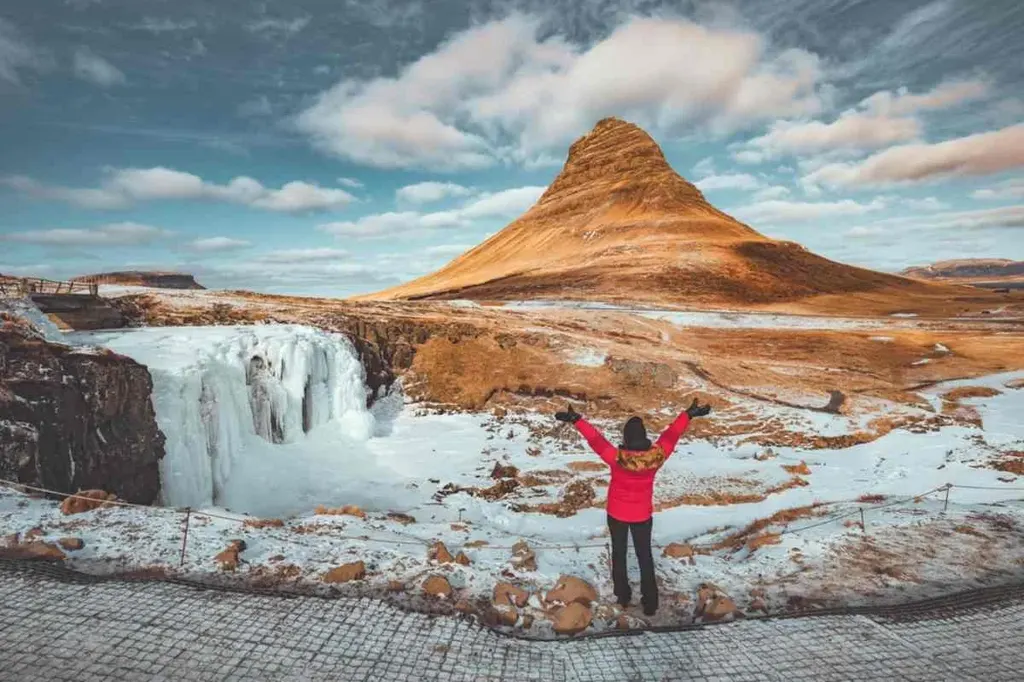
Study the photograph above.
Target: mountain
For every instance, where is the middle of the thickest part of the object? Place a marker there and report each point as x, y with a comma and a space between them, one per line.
159, 280
618, 224
984, 270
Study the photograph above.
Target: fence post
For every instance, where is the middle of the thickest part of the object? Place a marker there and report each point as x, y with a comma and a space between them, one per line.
184, 537
945, 505
863, 525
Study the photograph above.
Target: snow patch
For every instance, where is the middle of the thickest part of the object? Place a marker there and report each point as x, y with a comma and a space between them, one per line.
25, 309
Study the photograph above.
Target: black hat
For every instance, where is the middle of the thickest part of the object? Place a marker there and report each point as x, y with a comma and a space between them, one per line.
634, 435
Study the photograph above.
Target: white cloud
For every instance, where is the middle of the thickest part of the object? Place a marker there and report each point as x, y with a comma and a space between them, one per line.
505, 204
880, 120
979, 154
1002, 217
728, 181
122, 187
113, 234
256, 107
780, 211
94, 69
350, 182
1008, 189
497, 91
300, 256
17, 53
287, 27
749, 156
773, 192
427, 192
217, 245
162, 25
705, 166
926, 204
447, 249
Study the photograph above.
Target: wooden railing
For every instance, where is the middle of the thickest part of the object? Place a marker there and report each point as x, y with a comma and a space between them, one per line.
26, 286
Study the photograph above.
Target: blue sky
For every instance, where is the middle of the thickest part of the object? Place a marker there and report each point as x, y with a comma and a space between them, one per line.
334, 147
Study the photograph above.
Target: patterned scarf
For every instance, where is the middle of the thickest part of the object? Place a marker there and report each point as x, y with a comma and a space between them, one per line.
647, 460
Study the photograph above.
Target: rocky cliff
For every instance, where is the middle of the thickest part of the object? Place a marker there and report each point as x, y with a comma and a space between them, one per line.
159, 280
73, 419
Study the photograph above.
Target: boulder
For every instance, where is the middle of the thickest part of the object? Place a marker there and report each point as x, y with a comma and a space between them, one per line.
463, 606
86, 500
572, 619
523, 558
346, 510
678, 550
462, 559
36, 549
439, 553
506, 615
570, 590
346, 573
507, 593
228, 559
437, 586
500, 471
396, 586
713, 604
71, 543
758, 604
401, 518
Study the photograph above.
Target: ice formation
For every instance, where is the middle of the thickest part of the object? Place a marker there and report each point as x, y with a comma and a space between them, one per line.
252, 413
27, 310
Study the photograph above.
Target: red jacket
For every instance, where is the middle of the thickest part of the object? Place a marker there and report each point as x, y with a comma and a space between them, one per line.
631, 492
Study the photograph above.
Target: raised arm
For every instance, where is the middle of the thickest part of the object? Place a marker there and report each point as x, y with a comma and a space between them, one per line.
676, 429
597, 442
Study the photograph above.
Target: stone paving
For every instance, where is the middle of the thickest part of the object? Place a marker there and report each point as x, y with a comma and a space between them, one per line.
56, 626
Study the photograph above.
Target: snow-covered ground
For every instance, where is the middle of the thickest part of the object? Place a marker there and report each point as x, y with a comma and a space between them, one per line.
221, 410
742, 320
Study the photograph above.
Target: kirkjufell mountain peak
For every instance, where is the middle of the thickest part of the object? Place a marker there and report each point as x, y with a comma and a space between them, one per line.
619, 224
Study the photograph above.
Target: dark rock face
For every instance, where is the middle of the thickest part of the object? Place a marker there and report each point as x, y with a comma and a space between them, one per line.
80, 312
72, 420
161, 280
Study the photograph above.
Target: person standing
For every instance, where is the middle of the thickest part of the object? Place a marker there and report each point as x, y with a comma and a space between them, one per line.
630, 506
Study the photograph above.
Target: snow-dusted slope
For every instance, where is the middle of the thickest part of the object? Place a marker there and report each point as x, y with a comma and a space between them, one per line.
27, 310
250, 413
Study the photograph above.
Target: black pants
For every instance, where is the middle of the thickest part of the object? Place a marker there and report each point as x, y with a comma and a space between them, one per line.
641, 532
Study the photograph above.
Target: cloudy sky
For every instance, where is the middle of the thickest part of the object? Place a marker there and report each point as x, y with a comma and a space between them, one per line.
338, 146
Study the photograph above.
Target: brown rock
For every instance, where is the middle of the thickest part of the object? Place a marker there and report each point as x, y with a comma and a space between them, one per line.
34, 533
622, 622
500, 471
462, 559
463, 606
506, 615
713, 604
572, 619
523, 557
571, 589
527, 621
276, 558
403, 519
71, 543
346, 510
606, 612
346, 573
439, 553
678, 550
507, 593
36, 550
228, 559
396, 586
237, 544
437, 586
758, 604
86, 500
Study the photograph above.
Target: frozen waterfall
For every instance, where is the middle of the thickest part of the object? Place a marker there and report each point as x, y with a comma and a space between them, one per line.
252, 412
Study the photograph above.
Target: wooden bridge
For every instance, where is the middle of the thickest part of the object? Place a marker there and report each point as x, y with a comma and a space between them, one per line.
20, 287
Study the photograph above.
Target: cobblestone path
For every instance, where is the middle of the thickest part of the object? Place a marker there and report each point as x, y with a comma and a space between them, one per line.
56, 626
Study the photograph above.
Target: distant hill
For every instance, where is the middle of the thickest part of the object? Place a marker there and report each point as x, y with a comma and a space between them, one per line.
973, 269
138, 278
618, 224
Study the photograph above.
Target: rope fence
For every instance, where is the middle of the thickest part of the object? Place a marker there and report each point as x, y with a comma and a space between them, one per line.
189, 514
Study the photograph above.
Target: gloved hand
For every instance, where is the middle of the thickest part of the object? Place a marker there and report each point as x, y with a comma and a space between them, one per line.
570, 415
697, 410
